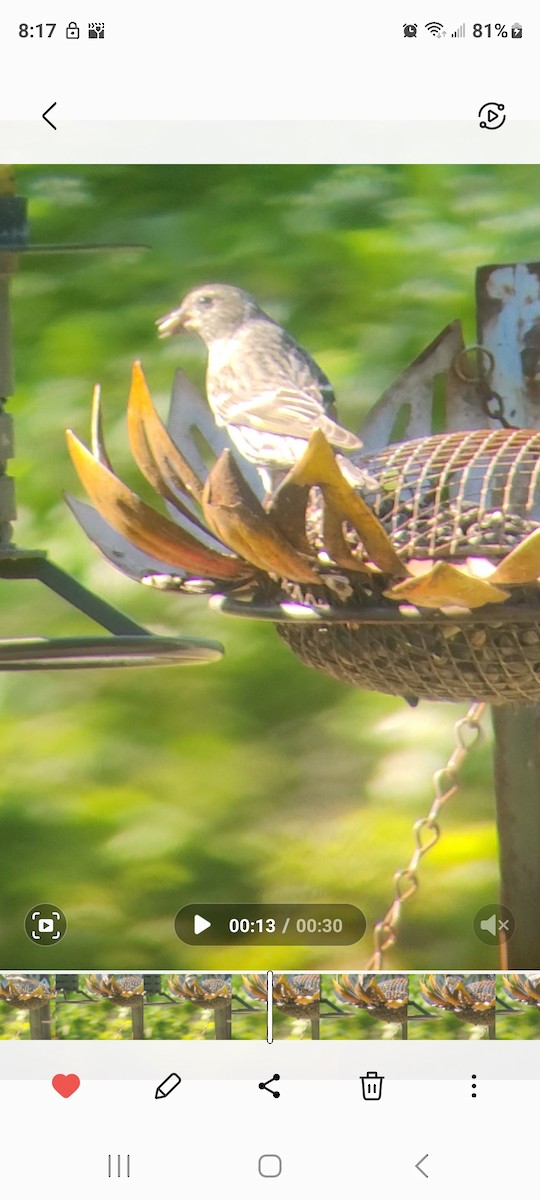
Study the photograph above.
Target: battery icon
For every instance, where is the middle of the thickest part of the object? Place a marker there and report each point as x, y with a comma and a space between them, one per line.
517, 30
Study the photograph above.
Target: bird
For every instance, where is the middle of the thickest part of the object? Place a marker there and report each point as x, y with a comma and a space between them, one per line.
261, 384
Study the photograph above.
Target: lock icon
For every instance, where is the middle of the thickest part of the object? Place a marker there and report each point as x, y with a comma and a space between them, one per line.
72, 30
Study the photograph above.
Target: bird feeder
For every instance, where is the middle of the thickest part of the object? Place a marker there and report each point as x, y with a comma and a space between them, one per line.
131, 644
425, 586
470, 999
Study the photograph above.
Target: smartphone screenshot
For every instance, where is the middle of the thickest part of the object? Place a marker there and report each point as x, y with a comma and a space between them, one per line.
269, 600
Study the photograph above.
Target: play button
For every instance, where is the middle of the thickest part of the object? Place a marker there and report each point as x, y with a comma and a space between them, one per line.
200, 924
492, 116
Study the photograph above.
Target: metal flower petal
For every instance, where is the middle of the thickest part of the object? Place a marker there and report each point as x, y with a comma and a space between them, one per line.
126, 991
470, 998
205, 991
26, 991
384, 997
420, 581
255, 986
297, 995
523, 986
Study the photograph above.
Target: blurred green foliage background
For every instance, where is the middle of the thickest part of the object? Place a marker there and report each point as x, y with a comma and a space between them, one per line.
124, 795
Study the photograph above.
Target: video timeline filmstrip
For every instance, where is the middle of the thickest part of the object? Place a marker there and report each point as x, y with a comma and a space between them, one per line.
207, 1006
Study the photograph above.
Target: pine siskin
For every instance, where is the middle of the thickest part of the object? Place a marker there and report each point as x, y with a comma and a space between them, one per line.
263, 386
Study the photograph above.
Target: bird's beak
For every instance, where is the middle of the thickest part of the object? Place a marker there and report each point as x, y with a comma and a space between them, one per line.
174, 322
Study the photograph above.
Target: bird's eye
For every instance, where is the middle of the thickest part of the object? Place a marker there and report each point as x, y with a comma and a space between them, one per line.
205, 301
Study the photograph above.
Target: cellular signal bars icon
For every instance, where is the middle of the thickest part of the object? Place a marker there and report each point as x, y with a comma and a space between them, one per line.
460, 31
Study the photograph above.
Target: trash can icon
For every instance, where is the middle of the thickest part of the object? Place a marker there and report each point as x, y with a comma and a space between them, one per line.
372, 1085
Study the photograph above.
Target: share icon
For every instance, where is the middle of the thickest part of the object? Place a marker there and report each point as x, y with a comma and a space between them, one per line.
264, 1087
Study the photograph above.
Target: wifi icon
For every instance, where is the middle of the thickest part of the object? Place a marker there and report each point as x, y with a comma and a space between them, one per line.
435, 28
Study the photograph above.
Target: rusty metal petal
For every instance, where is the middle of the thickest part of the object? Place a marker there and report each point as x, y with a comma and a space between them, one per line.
140, 412
318, 467
234, 513
521, 565
147, 529
335, 543
288, 512
97, 439
114, 547
445, 585
157, 449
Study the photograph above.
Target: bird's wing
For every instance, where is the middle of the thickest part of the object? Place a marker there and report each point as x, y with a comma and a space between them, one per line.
263, 380
285, 412
300, 369
263, 365
273, 352
275, 410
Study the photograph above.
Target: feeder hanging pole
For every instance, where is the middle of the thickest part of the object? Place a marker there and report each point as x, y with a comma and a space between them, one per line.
517, 787
13, 230
508, 308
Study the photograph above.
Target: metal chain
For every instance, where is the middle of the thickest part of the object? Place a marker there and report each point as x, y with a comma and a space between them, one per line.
426, 833
492, 403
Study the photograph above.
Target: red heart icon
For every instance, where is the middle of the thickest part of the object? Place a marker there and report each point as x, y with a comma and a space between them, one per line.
66, 1085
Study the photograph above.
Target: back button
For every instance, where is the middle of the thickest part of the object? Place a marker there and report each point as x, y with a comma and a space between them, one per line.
45, 115
418, 1166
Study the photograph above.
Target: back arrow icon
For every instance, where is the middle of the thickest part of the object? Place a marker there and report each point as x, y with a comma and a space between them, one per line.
45, 117
418, 1166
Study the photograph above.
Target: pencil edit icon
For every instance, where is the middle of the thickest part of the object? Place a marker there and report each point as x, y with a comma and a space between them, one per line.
167, 1086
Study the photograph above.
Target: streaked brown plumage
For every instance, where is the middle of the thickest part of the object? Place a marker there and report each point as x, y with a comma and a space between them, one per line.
261, 384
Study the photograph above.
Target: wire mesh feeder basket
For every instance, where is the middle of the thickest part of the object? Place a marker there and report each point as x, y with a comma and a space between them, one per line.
297, 995
468, 500
471, 999
421, 581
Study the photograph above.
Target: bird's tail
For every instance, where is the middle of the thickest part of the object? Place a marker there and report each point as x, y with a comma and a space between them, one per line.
338, 436
342, 439
358, 477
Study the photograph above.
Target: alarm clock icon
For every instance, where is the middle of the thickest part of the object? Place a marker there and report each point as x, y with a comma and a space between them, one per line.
410, 30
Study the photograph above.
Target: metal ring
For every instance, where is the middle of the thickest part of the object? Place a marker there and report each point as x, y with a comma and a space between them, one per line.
405, 884
468, 731
432, 827
483, 374
445, 783
384, 935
